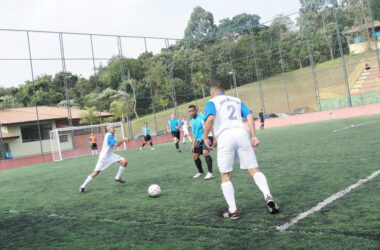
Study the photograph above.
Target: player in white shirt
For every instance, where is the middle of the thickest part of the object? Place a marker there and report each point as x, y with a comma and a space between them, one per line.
185, 130
224, 114
107, 157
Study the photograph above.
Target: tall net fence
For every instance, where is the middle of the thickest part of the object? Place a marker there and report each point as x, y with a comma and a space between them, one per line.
325, 56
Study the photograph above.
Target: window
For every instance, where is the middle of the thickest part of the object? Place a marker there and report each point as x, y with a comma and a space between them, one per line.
63, 138
30, 133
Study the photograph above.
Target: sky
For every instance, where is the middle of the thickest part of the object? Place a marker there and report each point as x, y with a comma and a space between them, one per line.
149, 18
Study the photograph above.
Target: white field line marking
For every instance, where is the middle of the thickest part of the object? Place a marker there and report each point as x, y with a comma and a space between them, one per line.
326, 202
353, 126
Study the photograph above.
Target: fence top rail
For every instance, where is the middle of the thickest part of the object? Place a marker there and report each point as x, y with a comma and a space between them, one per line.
118, 124
91, 34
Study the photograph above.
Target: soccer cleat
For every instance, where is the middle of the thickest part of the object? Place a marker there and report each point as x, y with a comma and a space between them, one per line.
81, 190
273, 208
141, 149
119, 180
209, 176
152, 148
198, 175
232, 216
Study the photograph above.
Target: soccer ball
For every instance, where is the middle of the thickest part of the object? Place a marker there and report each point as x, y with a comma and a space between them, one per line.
154, 190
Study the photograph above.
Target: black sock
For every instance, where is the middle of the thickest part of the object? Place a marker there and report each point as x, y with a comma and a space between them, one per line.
151, 144
176, 145
198, 163
209, 163
143, 145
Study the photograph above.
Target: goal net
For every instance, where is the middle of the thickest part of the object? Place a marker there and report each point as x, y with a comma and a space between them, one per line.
73, 142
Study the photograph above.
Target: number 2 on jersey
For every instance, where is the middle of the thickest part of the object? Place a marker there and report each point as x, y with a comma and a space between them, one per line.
232, 115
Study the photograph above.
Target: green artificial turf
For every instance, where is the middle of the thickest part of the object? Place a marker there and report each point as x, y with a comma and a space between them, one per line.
40, 206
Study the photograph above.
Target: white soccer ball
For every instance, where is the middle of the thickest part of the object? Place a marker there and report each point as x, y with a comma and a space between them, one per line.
154, 190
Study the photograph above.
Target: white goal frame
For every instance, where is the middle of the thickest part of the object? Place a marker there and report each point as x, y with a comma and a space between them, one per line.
72, 142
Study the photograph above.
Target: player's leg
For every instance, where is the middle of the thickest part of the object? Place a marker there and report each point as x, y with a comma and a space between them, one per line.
248, 161
225, 159
151, 144
123, 164
261, 181
88, 180
176, 140
229, 196
208, 159
142, 146
198, 164
184, 137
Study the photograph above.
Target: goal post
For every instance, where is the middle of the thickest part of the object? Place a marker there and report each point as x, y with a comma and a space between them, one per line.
71, 142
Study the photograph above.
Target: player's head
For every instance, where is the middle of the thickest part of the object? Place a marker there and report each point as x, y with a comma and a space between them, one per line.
145, 123
216, 88
193, 111
172, 116
111, 128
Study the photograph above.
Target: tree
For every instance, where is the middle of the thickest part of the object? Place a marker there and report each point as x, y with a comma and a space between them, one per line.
201, 25
200, 80
117, 108
239, 25
89, 116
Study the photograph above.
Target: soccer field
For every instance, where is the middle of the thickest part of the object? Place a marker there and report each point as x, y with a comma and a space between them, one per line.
40, 206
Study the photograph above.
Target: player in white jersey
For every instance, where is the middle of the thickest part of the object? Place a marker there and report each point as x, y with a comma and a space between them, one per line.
224, 114
185, 130
107, 157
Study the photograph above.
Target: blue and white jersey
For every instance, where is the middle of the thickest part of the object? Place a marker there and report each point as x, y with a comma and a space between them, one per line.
145, 129
108, 144
173, 124
228, 112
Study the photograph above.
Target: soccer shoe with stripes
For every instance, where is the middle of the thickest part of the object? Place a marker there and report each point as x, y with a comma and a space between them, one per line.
273, 208
81, 190
119, 180
232, 216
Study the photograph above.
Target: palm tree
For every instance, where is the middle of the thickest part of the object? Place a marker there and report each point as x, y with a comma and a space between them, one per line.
118, 110
89, 116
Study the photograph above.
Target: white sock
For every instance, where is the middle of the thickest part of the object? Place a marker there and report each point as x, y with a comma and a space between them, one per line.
121, 170
229, 195
92, 152
88, 179
261, 182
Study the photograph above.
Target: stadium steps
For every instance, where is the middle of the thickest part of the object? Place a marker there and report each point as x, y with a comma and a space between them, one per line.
367, 82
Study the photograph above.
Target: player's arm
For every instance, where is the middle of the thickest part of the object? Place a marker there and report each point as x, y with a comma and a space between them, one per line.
111, 141
168, 127
210, 111
245, 112
214, 138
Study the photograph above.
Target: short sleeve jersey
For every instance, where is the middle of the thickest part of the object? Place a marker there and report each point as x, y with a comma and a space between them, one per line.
173, 124
108, 144
197, 126
228, 112
145, 129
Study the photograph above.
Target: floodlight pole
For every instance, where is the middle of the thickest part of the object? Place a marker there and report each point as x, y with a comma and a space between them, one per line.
122, 76
342, 55
150, 86
95, 77
65, 79
233, 73
257, 70
34, 93
283, 69
170, 68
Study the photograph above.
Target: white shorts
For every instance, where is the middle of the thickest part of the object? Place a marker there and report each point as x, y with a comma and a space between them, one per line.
108, 160
234, 144
186, 132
